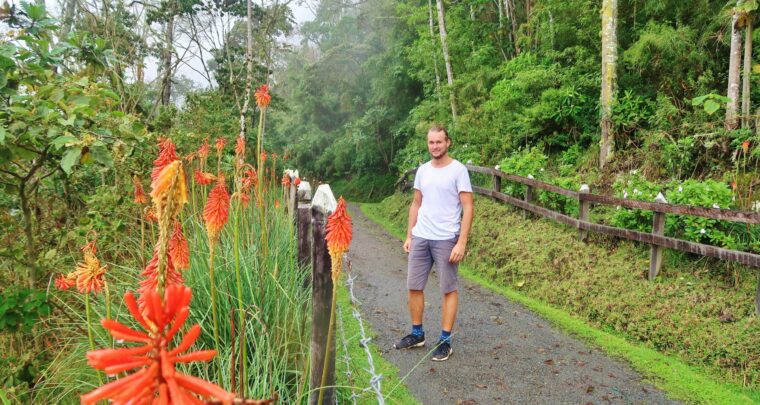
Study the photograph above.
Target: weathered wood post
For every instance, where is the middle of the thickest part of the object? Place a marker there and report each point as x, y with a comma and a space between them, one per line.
496, 183
583, 210
658, 228
322, 205
528, 196
293, 195
303, 223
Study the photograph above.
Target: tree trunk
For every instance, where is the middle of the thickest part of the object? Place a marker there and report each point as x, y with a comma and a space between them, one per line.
500, 6
68, 18
166, 91
447, 59
509, 6
249, 69
28, 232
733, 74
747, 71
435, 57
609, 79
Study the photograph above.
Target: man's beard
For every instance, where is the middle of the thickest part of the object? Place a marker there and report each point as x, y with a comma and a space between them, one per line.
440, 154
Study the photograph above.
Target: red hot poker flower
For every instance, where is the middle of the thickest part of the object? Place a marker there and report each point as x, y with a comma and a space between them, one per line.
263, 157
297, 181
204, 150
64, 281
178, 248
203, 178
150, 277
286, 180
339, 235
240, 146
250, 179
89, 274
217, 210
167, 154
154, 377
220, 142
745, 146
262, 96
140, 196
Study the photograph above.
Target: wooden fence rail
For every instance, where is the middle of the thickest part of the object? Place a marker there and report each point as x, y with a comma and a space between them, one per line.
656, 238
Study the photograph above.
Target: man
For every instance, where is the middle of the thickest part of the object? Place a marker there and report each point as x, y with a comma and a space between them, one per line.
440, 218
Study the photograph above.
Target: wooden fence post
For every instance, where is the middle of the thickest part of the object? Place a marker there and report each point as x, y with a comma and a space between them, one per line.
496, 183
583, 211
528, 197
658, 228
321, 300
303, 222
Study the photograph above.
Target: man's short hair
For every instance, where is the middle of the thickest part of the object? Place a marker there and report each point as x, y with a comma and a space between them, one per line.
439, 128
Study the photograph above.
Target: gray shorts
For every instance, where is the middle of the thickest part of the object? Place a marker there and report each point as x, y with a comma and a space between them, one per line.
422, 254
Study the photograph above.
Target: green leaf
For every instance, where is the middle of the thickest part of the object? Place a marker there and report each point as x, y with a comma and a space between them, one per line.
50, 254
57, 95
711, 106
699, 100
2, 136
101, 154
81, 100
62, 141
70, 158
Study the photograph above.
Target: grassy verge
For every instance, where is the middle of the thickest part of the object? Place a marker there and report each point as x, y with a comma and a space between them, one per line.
681, 380
393, 389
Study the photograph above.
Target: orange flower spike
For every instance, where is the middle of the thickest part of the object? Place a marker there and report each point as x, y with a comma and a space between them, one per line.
166, 155
297, 181
150, 214
150, 277
285, 180
240, 146
220, 142
339, 235
262, 96
89, 274
277, 204
217, 209
140, 197
263, 157
745, 146
204, 149
169, 184
203, 178
155, 378
63, 282
179, 249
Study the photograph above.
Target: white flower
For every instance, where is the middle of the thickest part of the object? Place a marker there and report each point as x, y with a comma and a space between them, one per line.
702, 231
625, 194
497, 167
542, 169
617, 208
716, 206
680, 188
469, 162
636, 191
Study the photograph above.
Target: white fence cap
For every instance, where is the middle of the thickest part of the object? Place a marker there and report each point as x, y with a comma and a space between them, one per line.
304, 191
660, 199
324, 198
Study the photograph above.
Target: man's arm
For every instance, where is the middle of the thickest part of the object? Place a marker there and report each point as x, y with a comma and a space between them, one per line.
457, 254
413, 210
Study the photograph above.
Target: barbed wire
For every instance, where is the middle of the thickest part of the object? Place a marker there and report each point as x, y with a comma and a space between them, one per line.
375, 379
346, 356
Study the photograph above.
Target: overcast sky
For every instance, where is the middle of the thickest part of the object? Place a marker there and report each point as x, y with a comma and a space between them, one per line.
301, 13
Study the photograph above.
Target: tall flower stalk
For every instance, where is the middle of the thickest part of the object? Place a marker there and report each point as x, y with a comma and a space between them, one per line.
339, 235
215, 215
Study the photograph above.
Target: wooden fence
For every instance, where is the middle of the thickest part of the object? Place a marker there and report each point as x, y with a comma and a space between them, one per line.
656, 238
310, 217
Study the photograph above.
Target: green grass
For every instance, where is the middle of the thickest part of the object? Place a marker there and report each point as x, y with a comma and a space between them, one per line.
275, 304
679, 379
393, 389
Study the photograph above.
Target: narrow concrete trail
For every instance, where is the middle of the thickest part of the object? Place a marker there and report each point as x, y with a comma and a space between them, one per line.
503, 353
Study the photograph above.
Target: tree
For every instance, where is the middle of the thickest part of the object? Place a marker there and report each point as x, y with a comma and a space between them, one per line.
435, 57
447, 58
609, 79
734, 59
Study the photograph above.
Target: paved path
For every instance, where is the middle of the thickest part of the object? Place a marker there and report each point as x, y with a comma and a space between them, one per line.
503, 353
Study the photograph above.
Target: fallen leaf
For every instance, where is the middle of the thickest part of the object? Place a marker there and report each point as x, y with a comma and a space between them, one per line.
589, 389
481, 385
549, 362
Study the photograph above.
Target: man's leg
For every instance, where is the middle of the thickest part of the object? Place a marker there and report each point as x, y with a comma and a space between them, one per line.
449, 310
420, 264
417, 306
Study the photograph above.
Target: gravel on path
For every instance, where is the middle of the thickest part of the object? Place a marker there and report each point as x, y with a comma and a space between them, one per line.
503, 353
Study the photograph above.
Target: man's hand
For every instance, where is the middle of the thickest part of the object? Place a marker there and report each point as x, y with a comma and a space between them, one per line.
457, 254
407, 244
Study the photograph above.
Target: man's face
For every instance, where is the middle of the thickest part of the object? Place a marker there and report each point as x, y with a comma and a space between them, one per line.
438, 144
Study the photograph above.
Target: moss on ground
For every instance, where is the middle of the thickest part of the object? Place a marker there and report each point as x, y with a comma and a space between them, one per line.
698, 310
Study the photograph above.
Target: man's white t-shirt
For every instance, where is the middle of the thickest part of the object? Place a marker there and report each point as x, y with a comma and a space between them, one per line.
440, 215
